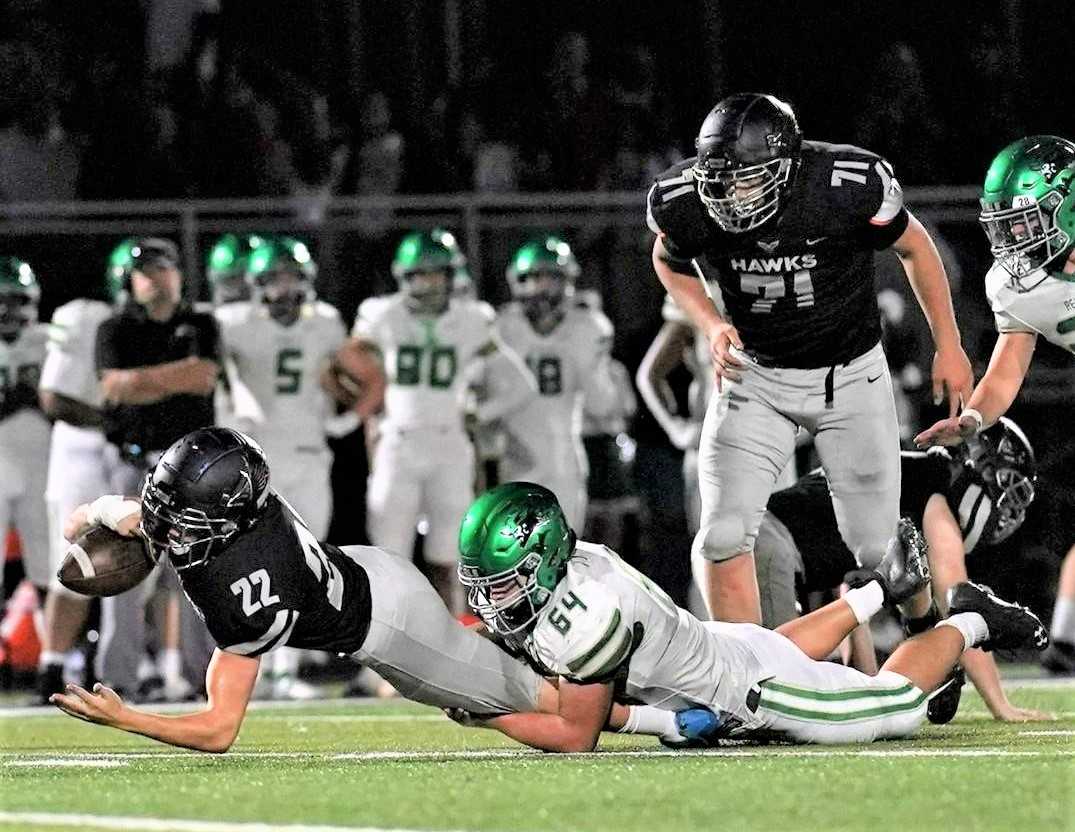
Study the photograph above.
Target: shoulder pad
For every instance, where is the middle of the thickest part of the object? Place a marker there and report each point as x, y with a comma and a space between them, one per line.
860, 184
476, 308
326, 310
674, 211
370, 313
592, 321
234, 312
77, 319
582, 634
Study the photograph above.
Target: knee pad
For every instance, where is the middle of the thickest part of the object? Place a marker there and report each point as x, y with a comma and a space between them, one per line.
722, 539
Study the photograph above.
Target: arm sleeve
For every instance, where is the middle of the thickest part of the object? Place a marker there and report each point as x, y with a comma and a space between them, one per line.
262, 634
366, 320
602, 392
674, 213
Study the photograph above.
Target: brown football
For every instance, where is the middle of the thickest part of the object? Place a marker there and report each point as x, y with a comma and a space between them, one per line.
103, 562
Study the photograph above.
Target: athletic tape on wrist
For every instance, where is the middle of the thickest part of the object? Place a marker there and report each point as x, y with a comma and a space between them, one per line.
111, 509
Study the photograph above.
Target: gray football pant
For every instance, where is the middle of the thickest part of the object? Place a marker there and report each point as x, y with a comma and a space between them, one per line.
777, 562
749, 435
427, 655
122, 641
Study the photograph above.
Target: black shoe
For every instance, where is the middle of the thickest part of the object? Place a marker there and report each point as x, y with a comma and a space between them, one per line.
1010, 625
944, 703
903, 570
150, 691
49, 681
1059, 658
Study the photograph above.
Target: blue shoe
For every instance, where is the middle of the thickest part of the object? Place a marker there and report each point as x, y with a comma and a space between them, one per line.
698, 728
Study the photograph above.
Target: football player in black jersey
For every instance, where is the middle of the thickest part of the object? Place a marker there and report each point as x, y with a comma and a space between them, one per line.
261, 580
975, 496
782, 233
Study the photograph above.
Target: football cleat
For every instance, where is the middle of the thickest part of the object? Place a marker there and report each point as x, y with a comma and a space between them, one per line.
1059, 658
904, 569
1010, 625
698, 728
944, 702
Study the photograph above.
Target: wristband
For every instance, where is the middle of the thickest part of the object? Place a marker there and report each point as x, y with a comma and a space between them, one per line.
979, 422
110, 510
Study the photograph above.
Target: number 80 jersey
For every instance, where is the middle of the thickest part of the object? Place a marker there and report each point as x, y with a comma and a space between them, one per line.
425, 357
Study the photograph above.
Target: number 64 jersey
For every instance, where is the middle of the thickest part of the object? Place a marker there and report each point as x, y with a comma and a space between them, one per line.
1047, 309
608, 622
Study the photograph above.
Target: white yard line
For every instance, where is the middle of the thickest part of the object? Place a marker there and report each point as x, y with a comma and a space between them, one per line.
173, 824
520, 754
65, 762
1047, 733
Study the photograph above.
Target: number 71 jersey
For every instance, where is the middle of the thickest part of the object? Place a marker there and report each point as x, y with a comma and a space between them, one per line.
425, 357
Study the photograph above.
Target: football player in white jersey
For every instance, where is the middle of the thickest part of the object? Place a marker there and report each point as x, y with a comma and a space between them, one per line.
1028, 213
567, 348
70, 396
225, 267
432, 348
24, 431
581, 614
279, 347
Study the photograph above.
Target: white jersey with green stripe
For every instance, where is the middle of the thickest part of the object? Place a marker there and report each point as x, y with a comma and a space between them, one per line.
273, 373
1047, 310
427, 359
607, 621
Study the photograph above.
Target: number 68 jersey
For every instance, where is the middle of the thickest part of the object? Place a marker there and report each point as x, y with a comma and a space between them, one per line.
275, 585
608, 622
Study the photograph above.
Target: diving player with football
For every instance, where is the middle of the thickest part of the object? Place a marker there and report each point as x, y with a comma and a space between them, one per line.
567, 348
1028, 214
429, 347
261, 580
580, 613
783, 231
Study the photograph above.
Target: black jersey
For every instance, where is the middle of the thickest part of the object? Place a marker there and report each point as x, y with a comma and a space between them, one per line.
799, 288
275, 585
806, 509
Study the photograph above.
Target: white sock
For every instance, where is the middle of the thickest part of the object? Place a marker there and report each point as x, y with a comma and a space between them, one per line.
170, 664
971, 626
645, 719
48, 657
1063, 624
865, 601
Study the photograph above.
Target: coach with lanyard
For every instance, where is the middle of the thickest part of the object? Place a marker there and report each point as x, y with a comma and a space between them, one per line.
158, 361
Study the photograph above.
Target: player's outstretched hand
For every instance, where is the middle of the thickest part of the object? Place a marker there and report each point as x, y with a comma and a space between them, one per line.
103, 706
946, 432
119, 514
1011, 713
465, 718
722, 340
952, 371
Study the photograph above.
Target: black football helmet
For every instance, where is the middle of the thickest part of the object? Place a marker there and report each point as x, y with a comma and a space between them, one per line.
209, 486
993, 485
748, 152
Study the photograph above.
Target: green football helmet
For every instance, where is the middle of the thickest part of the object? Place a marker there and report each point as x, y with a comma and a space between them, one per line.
421, 254
225, 266
19, 296
1028, 205
118, 271
542, 276
514, 545
281, 273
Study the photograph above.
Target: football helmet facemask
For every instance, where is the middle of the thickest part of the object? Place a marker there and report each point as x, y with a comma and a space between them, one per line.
748, 152
281, 273
19, 297
993, 485
514, 545
425, 267
208, 487
542, 276
1028, 206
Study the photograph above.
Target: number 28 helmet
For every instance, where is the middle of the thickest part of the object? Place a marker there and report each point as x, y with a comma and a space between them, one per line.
514, 544
209, 486
748, 150
1028, 205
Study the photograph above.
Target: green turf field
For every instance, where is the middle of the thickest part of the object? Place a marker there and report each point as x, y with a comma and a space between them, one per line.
377, 767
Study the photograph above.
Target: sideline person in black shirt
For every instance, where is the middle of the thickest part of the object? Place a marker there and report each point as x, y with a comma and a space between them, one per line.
158, 361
